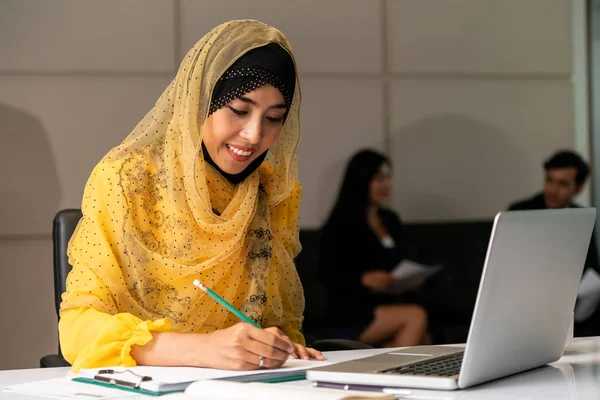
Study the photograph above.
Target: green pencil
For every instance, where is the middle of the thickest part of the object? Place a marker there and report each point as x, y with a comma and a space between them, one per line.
225, 304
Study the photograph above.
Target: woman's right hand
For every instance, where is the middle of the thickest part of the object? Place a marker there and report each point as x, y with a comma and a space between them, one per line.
240, 347
376, 280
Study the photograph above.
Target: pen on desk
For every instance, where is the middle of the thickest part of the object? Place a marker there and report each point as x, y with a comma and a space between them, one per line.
366, 388
225, 304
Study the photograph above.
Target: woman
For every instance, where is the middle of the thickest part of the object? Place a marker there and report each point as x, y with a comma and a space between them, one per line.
362, 241
191, 194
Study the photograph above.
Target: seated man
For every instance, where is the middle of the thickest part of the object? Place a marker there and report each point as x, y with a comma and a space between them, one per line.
566, 173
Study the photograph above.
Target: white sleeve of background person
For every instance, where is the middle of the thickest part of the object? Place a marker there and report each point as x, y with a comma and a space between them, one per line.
588, 295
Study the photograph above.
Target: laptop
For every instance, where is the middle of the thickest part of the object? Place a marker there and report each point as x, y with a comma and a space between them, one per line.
522, 314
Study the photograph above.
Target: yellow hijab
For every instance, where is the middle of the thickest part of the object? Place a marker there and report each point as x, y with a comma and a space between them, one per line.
149, 224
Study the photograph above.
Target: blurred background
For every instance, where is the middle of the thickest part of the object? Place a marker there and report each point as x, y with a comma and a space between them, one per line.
467, 97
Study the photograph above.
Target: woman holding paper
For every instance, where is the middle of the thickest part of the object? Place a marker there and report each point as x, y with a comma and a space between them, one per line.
362, 242
203, 188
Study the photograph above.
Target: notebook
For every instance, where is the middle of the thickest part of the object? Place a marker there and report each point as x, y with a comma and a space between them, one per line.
222, 390
141, 379
65, 388
162, 380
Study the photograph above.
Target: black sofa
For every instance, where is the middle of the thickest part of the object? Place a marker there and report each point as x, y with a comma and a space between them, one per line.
449, 296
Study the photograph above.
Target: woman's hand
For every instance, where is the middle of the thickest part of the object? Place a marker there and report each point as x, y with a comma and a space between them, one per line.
239, 347
376, 280
300, 351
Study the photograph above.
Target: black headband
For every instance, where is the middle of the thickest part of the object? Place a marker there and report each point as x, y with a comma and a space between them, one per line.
269, 64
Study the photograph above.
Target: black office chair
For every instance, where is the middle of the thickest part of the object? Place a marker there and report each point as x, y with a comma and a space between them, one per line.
63, 226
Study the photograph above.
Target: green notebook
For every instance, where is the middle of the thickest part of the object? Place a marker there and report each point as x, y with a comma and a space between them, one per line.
128, 380
273, 376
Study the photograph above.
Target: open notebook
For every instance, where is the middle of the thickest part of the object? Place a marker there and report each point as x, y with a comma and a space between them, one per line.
163, 380
171, 379
197, 382
226, 390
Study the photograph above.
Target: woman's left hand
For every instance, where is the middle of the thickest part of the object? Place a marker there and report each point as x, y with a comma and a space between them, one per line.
304, 353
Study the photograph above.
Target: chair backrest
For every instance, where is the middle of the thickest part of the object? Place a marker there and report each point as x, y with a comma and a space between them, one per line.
315, 294
63, 227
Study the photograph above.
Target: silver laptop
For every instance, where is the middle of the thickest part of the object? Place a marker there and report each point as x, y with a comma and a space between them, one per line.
522, 314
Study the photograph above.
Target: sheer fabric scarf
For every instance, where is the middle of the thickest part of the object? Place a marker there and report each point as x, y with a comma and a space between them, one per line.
156, 216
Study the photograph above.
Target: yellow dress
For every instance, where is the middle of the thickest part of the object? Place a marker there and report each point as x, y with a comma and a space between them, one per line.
156, 217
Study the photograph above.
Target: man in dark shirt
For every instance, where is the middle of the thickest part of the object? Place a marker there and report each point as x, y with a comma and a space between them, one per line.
566, 173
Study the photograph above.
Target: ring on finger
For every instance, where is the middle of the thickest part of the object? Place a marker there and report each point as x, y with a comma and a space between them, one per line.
261, 361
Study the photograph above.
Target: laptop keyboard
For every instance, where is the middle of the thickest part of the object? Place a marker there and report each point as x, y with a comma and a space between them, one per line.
440, 366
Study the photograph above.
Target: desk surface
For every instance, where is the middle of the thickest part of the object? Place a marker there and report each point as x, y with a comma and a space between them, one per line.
575, 376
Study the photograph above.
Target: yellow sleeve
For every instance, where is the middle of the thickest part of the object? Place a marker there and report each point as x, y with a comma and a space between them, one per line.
93, 330
92, 339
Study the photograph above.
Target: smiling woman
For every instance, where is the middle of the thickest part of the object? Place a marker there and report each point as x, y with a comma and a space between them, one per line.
204, 188
248, 109
243, 130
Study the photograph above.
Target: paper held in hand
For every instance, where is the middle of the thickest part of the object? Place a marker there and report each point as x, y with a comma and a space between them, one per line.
409, 273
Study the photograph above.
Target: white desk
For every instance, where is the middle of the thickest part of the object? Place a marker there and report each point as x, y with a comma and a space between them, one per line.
575, 376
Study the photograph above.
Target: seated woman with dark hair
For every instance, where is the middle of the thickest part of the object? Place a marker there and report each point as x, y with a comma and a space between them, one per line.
362, 241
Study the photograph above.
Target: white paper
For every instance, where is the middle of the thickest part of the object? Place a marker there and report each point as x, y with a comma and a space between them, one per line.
408, 273
173, 375
588, 295
590, 283
162, 375
66, 389
223, 390
409, 270
586, 306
